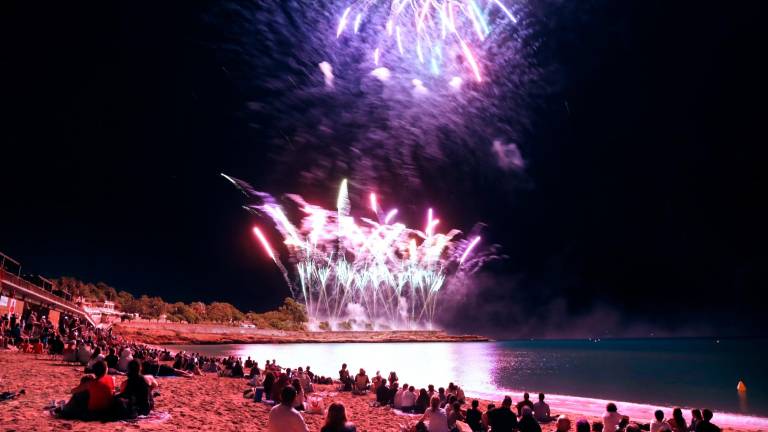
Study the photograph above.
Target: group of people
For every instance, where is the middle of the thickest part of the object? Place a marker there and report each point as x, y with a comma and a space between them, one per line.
105, 356
442, 409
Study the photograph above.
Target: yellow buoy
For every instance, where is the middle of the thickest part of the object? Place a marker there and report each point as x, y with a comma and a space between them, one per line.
741, 387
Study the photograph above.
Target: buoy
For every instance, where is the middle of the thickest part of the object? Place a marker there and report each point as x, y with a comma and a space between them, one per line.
741, 387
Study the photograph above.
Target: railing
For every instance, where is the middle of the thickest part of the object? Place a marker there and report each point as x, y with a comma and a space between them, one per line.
29, 288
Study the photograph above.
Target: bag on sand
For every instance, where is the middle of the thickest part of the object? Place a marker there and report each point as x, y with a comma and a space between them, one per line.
315, 405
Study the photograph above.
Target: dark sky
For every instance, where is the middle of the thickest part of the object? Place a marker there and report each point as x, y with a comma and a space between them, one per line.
643, 209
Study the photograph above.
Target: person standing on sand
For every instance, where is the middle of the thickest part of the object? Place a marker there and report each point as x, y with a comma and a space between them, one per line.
283, 418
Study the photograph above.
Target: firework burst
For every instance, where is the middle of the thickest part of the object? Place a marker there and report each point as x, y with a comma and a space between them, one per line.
373, 269
436, 37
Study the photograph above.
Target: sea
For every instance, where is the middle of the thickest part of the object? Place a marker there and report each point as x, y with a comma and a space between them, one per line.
641, 375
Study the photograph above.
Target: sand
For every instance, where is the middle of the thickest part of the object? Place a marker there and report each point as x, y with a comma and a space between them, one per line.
201, 403
184, 334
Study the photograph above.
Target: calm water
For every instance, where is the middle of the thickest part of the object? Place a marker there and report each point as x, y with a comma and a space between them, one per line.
655, 372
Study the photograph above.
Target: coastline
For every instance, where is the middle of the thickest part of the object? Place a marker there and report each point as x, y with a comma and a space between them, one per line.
52, 380
212, 334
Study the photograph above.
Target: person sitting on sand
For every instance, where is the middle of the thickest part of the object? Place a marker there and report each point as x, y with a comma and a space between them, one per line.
408, 399
83, 354
563, 423
382, 393
484, 418
455, 416
422, 402
611, 418
443, 397
474, 417
136, 390
281, 382
658, 422
306, 381
125, 357
435, 417
361, 382
502, 419
527, 423
398, 401
336, 419
696, 418
237, 370
92, 399
344, 378
449, 404
526, 402
111, 360
255, 371
541, 410
678, 423
283, 417
706, 425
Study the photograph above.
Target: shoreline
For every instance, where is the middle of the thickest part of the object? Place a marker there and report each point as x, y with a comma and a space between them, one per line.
213, 334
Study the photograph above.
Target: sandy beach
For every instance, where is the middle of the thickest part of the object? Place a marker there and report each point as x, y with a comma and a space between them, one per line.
181, 334
201, 403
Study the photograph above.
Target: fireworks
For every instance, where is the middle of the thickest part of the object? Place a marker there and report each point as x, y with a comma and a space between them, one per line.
435, 35
373, 269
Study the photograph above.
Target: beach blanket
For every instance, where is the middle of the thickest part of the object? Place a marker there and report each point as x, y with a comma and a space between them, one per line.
155, 417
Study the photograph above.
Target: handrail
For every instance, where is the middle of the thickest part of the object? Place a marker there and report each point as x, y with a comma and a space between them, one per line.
29, 288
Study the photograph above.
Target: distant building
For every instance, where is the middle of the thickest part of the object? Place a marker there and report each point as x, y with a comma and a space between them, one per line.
101, 311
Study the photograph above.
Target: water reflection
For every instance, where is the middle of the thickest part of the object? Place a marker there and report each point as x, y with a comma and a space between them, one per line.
641, 375
469, 365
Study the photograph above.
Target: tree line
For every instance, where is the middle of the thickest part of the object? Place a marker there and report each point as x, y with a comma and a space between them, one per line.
291, 315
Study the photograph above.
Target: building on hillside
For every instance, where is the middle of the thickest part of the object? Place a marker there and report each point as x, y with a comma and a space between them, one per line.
104, 312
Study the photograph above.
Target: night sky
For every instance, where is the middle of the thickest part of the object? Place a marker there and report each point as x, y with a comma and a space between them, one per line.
642, 208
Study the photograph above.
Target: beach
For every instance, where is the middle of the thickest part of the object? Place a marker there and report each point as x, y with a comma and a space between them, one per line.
201, 403
176, 333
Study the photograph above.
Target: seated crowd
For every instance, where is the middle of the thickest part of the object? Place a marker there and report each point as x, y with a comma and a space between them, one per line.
105, 356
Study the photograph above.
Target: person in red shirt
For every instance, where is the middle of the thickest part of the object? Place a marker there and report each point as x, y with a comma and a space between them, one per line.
101, 390
93, 398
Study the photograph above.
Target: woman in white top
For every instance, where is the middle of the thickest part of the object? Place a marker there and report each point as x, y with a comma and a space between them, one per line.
435, 417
